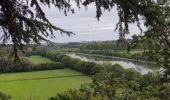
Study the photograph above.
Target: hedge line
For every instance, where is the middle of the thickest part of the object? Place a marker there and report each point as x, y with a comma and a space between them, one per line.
6, 65
88, 68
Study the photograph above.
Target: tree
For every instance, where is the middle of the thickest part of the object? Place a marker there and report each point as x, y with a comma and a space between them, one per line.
23, 25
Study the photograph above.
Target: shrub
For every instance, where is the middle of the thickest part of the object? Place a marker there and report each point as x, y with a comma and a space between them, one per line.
47, 66
21, 66
71, 95
132, 74
96, 69
66, 61
6, 65
4, 96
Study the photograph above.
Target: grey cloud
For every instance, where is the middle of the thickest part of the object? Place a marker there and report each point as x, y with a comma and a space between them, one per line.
84, 24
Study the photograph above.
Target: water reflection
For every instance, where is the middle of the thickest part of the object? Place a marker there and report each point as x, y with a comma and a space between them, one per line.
141, 67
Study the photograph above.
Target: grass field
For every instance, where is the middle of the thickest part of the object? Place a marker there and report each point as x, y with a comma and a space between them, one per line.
40, 85
39, 60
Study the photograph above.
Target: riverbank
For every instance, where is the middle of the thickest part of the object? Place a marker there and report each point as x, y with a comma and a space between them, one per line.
135, 55
143, 61
141, 67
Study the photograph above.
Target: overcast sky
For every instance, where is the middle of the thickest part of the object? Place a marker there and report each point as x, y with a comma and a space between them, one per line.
85, 26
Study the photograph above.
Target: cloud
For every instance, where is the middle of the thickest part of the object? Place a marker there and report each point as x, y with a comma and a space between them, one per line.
84, 24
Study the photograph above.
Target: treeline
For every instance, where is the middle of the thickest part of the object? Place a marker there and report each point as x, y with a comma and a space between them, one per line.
106, 45
136, 55
23, 65
118, 49
7, 65
125, 44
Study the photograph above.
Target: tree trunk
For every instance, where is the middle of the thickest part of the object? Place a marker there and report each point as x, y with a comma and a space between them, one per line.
15, 51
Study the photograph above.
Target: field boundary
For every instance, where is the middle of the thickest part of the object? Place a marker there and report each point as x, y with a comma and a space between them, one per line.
43, 78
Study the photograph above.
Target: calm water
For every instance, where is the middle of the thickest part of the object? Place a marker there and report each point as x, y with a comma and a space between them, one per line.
142, 67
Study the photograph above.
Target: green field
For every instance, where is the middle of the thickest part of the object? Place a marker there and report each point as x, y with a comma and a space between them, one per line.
40, 85
39, 60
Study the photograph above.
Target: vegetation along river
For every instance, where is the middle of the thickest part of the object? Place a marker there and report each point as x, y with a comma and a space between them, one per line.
142, 67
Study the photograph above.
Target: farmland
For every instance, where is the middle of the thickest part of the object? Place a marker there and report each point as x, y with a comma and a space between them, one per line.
40, 85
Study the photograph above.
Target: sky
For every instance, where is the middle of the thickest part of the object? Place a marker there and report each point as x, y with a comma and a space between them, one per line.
84, 24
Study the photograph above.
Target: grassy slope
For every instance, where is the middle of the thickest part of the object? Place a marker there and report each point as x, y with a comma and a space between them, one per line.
40, 85
39, 60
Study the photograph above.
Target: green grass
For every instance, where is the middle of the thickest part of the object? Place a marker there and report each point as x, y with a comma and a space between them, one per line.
39, 60
40, 85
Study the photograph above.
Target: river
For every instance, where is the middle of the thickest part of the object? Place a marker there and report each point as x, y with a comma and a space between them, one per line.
140, 66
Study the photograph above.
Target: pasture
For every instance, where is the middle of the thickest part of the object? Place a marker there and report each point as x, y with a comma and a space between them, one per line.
40, 85
39, 60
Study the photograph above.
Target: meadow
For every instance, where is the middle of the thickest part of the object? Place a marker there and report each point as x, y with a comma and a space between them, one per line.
39, 60
40, 85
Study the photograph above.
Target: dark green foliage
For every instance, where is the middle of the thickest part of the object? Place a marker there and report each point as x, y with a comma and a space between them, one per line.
108, 85
4, 51
46, 66
136, 56
149, 79
106, 45
132, 74
71, 95
165, 92
89, 68
23, 25
118, 69
7, 65
4, 96
23, 65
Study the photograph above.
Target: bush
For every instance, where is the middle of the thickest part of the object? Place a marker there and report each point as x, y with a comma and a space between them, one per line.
6, 65
22, 65
47, 66
71, 95
66, 61
4, 96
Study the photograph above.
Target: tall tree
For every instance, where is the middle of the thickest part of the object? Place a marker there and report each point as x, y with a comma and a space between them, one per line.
23, 25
